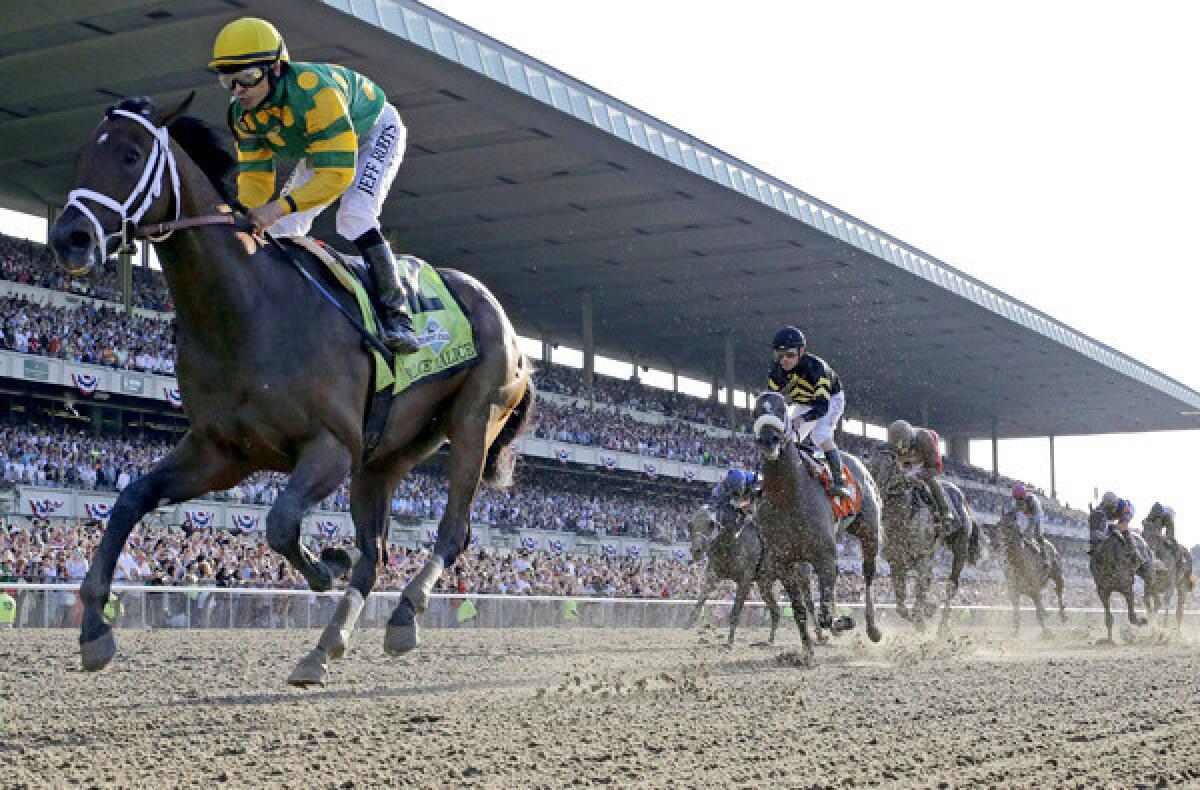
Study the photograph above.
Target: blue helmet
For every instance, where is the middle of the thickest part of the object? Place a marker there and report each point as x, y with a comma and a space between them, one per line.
1158, 510
735, 477
1124, 508
789, 337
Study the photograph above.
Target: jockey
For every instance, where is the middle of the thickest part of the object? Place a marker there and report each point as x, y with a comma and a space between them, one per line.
815, 392
918, 449
1028, 505
729, 496
1132, 539
349, 142
1162, 518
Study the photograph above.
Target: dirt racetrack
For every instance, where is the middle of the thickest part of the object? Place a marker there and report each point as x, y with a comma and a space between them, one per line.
581, 707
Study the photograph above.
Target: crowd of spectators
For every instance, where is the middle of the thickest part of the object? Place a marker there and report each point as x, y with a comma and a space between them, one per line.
94, 335
29, 263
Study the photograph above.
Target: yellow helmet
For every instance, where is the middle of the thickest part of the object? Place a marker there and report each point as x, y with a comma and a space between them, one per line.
247, 41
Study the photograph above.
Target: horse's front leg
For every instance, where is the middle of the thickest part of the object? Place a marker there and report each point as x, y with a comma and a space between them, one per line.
739, 600
193, 468
1041, 613
867, 532
960, 559
923, 577
1014, 596
827, 573
768, 595
791, 583
900, 589
710, 582
321, 466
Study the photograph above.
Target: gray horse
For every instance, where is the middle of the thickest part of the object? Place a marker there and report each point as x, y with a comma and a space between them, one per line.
1026, 572
911, 537
1114, 564
734, 552
1172, 576
797, 522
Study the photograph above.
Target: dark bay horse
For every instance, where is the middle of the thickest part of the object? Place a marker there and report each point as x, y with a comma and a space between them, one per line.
1114, 565
911, 539
798, 525
734, 552
273, 377
1026, 572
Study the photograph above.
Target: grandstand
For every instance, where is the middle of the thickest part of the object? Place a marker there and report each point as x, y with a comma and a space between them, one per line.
599, 228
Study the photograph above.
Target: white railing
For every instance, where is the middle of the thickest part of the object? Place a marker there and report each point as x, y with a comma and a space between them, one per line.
188, 607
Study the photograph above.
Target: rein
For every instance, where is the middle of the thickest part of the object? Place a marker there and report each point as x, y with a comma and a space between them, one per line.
160, 162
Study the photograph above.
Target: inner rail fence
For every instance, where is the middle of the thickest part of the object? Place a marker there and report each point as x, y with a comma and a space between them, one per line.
191, 607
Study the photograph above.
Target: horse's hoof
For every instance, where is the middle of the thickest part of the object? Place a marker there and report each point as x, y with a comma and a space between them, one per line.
339, 561
841, 624
873, 633
1106, 642
1046, 634
311, 670
98, 652
919, 625
400, 639
1141, 622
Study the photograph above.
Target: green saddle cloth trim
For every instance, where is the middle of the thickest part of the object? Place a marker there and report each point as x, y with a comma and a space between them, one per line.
439, 321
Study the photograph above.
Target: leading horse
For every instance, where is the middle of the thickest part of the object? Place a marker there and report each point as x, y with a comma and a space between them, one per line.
273, 377
1114, 564
798, 525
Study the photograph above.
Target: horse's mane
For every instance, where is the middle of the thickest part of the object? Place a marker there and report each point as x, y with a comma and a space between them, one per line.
198, 139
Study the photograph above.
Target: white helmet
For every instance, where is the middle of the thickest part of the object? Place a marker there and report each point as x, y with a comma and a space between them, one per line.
900, 433
1109, 500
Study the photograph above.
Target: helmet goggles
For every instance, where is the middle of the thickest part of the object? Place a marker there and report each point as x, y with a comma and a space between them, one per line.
245, 77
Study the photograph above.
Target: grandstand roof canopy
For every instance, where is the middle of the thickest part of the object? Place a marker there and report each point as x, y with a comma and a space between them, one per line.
546, 188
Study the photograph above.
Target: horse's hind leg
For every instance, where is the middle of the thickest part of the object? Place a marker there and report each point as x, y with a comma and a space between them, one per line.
322, 465
868, 541
370, 497
827, 572
1059, 584
193, 468
1133, 618
468, 437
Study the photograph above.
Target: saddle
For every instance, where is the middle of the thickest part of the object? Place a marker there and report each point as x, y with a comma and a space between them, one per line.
818, 468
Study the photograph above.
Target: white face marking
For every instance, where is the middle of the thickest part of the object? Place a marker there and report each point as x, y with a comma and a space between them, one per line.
100, 140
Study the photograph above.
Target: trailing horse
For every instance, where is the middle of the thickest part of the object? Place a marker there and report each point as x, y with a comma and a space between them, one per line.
798, 525
734, 552
1026, 571
273, 377
911, 538
1114, 564
1172, 577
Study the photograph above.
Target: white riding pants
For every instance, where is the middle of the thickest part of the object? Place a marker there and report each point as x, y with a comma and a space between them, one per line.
380, 152
821, 429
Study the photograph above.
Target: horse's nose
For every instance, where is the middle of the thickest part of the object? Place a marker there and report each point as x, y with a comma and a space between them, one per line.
70, 236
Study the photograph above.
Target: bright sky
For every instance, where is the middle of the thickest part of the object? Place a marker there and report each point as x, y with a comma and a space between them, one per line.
1047, 148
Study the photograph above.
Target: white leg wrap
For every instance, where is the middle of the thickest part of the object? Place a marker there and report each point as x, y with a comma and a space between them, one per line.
334, 637
421, 586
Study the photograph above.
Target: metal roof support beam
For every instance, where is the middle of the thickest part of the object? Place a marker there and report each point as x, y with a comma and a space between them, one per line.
958, 448
546, 350
1053, 475
995, 451
589, 349
51, 218
730, 377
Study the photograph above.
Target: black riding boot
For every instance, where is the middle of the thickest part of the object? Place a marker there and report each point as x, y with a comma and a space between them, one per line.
395, 323
945, 512
839, 487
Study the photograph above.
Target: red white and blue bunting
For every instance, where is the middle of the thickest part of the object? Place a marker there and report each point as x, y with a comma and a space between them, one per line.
173, 397
86, 383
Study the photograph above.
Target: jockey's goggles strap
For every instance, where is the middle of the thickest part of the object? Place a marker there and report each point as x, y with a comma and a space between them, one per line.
160, 161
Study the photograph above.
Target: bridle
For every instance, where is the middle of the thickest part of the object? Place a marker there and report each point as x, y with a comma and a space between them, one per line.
149, 187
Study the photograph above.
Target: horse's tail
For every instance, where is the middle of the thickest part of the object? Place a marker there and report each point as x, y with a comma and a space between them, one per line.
498, 466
